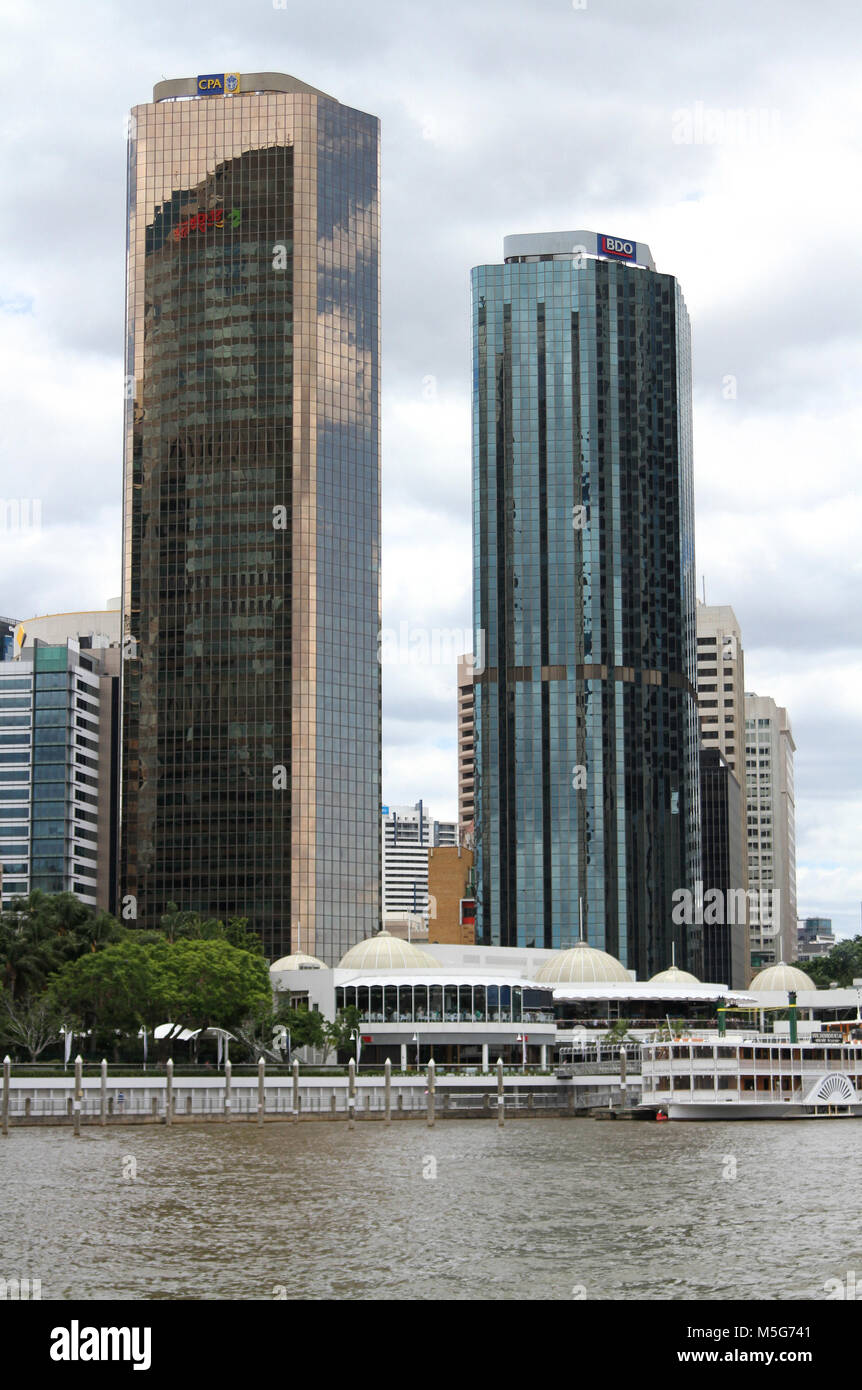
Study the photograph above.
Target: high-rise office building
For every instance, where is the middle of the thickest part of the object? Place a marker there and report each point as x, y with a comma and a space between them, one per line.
251, 589
771, 832
584, 586
59, 721
408, 833
721, 683
466, 747
726, 955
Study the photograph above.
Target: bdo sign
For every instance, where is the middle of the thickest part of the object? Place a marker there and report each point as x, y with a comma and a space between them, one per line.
618, 246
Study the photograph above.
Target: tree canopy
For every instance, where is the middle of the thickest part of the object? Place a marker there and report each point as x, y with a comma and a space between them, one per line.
843, 964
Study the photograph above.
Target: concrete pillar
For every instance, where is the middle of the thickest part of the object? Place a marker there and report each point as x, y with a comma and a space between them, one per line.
4, 1106
403, 1056
103, 1094
387, 1091
432, 1084
169, 1092
76, 1107
544, 1057
485, 1057
227, 1075
154, 1106
500, 1098
261, 1091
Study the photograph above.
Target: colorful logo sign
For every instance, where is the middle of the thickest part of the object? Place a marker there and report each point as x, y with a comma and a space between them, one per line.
618, 246
201, 220
218, 84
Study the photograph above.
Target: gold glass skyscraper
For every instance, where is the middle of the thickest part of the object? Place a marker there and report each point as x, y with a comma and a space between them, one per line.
251, 591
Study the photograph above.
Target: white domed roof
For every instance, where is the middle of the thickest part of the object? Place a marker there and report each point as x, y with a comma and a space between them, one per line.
782, 977
383, 951
583, 965
298, 961
674, 976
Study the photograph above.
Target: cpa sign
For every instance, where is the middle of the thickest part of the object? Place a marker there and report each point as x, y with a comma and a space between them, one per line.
218, 84
618, 246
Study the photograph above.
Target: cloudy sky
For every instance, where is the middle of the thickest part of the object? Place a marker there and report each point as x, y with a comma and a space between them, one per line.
724, 136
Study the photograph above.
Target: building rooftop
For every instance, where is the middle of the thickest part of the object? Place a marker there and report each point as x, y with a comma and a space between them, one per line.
567, 245
583, 964
383, 951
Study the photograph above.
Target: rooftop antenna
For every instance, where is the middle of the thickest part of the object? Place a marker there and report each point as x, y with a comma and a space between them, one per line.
580, 920
703, 578
673, 954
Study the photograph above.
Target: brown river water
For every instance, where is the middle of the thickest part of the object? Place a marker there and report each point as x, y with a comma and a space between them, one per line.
541, 1209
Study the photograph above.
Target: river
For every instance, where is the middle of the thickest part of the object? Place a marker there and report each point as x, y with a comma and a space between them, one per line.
541, 1209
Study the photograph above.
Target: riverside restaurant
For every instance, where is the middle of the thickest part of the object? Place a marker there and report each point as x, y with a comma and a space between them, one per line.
453, 1016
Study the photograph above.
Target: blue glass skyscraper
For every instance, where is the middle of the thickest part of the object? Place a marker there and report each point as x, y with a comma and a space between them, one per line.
584, 591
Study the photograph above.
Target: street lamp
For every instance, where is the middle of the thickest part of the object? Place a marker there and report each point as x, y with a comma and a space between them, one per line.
355, 1037
522, 1038
416, 1040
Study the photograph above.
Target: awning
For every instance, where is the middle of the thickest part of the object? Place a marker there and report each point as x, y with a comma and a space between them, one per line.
646, 992
434, 977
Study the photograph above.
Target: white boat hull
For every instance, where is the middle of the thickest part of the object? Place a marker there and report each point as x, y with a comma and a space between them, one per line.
779, 1110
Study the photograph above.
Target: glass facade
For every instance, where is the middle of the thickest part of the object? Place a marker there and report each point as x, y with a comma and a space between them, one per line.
584, 588
251, 592
726, 950
54, 794
446, 1003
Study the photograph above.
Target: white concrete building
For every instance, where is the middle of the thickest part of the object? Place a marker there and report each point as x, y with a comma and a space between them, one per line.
721, 683
770, 830
408, 834
58, 740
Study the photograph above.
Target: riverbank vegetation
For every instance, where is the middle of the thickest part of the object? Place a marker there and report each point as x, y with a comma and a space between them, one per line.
66, 969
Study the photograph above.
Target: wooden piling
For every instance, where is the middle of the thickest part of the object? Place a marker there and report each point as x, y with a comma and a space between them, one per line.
103, 1093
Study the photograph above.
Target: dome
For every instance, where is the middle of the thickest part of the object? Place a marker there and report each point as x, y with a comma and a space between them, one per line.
583, 965
383, 951
674, 976
298, 961
782, 977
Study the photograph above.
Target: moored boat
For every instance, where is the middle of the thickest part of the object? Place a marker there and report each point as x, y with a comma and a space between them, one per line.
757, 1077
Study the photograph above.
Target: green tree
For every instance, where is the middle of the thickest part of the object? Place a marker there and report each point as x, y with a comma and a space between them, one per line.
177, 925
338, 1032
184, 925
42, 931
843, 964
26, 953
618, 1031
211, 983
307, 1026
119, 988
